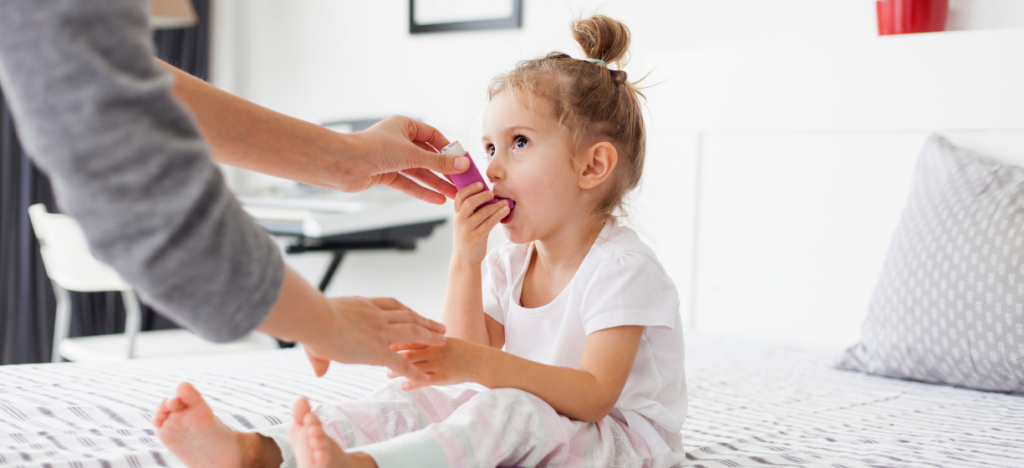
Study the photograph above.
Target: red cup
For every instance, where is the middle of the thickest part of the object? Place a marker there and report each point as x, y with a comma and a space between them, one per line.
911, 16
884, 10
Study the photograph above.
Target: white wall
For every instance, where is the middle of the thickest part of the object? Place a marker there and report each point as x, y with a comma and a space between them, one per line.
330, 59
985, 14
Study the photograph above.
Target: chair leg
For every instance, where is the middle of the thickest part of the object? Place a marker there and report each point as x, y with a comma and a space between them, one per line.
132, 320
62, 322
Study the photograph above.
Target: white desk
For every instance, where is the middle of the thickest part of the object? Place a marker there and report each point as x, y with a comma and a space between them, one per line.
371, 224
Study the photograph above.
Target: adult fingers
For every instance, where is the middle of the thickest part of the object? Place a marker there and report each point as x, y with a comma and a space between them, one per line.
397, 347
408, 316
432, 180
425, 147
388, 303
399, 365
409, 333
410, 151
396, 312
408, 187
437, 162
320, 365
418, 131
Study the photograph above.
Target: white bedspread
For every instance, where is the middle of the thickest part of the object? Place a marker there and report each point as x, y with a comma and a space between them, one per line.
751, 405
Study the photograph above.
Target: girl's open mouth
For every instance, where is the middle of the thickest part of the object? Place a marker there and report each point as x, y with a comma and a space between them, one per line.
508, 218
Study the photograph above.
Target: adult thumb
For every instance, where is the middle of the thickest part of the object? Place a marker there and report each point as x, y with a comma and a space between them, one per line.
440, 163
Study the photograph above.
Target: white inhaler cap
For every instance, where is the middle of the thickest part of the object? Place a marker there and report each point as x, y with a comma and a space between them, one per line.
454, 148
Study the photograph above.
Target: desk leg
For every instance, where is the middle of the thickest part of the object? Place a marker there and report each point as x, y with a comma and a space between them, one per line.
335, 261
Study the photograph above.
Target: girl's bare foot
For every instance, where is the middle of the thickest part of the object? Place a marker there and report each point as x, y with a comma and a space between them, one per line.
187, 426
313, 449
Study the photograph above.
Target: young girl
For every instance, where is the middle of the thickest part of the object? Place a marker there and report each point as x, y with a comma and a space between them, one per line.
576, 329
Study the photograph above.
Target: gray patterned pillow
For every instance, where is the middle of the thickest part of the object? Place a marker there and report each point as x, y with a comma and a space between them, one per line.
949, 306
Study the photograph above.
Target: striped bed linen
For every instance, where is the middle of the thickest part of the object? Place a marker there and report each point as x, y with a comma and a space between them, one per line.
752, 404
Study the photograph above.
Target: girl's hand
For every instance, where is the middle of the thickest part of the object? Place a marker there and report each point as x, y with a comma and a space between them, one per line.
472, 225
365, 330
457, 361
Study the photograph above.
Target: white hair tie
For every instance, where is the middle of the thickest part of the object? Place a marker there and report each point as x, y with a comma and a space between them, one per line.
597, 61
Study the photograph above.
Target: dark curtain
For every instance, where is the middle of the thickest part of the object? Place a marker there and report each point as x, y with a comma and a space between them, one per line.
27, 304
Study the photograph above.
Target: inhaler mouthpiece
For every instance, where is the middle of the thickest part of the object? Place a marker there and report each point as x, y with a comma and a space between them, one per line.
471, 175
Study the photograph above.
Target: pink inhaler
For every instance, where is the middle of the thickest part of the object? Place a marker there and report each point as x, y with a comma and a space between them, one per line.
472, 175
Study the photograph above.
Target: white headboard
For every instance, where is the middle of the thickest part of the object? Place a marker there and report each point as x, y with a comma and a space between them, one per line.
777, 175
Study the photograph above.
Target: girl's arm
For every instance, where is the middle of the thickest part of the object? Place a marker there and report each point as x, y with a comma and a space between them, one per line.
587, 394
463, 313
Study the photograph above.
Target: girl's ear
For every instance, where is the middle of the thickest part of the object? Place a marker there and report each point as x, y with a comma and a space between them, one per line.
598, 163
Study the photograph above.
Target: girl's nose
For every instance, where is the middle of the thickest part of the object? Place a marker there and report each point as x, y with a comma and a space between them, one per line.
495, 169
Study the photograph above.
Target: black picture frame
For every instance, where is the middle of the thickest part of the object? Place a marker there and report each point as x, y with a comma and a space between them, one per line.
512, 22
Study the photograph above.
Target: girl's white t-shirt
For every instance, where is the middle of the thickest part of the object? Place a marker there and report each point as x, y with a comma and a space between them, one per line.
619, 283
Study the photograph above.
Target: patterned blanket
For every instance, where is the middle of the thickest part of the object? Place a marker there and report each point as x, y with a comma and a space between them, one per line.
752, 404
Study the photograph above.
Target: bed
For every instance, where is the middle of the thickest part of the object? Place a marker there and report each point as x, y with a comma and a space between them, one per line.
753, 403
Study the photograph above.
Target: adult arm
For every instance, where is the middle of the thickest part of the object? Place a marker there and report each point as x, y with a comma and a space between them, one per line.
125, 160
246, 135
97, 115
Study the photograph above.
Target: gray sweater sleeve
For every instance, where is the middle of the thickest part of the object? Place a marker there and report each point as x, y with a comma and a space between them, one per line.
125, 159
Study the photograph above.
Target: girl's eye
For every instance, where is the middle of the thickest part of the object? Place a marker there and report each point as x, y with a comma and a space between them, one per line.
520, 142
490, 151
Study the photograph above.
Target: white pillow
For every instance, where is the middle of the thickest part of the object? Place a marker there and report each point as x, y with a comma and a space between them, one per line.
949, 306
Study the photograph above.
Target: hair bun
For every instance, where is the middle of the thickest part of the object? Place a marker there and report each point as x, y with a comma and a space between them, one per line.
603, 38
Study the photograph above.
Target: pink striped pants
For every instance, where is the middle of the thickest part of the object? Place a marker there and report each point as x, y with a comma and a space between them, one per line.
463, 427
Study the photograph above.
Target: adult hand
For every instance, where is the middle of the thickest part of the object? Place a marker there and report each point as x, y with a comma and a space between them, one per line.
391, 152
362, 331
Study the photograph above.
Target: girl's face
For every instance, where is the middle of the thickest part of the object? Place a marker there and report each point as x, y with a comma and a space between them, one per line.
530, 164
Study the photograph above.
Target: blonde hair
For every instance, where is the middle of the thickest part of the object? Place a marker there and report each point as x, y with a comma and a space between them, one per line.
594, 101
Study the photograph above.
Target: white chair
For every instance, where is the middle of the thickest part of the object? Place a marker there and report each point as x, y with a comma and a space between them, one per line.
71, 267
